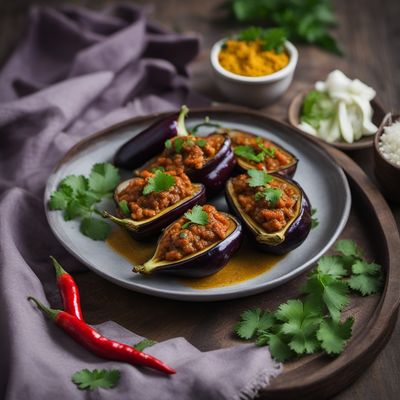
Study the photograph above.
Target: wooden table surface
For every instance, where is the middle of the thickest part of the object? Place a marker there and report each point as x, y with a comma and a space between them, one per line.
370, 33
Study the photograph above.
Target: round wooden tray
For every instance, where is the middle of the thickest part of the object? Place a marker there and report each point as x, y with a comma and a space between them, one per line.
209, 325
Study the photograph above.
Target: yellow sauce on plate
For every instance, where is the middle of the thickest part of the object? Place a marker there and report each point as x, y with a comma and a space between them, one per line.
247, 263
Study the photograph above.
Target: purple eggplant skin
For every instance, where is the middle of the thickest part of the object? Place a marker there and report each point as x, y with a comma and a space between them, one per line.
210, 262
146, 144
295, 235
217, 170
152, 229
150, 142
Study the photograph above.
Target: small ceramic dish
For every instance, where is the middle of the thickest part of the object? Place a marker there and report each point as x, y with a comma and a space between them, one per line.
255, 91
363, 143
386, 172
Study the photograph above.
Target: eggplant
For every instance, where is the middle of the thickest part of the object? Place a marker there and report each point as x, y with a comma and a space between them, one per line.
288, 238
148, 228
150, 142
245, 164
206, 262
217, 170
214, 174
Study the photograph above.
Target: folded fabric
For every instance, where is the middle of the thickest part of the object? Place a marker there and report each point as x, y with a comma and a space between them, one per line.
75, 72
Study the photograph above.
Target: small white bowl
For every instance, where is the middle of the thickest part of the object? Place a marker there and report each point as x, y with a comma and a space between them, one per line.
253, 91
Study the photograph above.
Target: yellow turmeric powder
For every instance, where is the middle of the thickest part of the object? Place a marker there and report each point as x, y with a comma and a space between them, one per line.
249, 59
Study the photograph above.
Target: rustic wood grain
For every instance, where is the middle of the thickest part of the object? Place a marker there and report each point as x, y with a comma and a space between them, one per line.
370, 32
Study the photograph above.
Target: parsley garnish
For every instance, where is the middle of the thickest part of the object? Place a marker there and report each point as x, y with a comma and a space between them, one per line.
144, 344
196, 216
312, 324
159, 183
97, 378
77, 196
271, 39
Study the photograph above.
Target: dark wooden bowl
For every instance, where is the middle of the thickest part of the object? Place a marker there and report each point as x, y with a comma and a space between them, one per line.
363, 143
386, 172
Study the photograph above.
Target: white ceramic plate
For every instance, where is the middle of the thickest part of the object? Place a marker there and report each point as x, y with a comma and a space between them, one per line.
323, 181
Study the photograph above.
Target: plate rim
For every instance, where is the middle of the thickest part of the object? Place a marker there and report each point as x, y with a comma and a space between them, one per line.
203, 295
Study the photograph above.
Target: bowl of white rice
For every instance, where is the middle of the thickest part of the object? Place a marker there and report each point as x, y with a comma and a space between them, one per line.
387, 157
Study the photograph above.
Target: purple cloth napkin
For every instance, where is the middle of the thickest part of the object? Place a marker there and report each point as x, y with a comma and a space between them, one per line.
75, 72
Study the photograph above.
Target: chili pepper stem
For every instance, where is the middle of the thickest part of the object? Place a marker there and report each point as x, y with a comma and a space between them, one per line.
57, 266
52, 314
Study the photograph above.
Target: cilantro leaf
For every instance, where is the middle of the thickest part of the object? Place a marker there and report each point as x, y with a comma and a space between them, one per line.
272, 195
159, 183
103, 178
77, 195
333, 335
168, 144
60, 198
348, 248
365, 284
314, 220
97, 378
178, 144
268, 151
252, 321
123, 205
329, 291
75, 209
271, 39
158, 168
248, 153
95, 228
258, 178
78, 183
301, 322
362, 267
278, 347
143, 344
331, 265
304, 21
196, 216
201, 142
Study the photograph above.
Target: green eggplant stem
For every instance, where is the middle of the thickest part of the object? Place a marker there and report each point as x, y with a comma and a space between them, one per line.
52, 314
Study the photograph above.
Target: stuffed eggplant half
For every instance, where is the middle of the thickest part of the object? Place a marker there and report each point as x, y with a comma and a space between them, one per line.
151, 201
274, 209
256, 152
208, 160
198, 244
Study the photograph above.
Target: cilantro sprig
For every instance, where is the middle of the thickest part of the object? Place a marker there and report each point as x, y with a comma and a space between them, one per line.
314, 322
97, 378
249, 153
271, 39
261, 178
160, 182
196, 216
304, 21
76, 196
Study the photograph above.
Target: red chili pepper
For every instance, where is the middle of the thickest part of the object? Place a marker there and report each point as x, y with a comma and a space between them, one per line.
98, 344
68, 290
